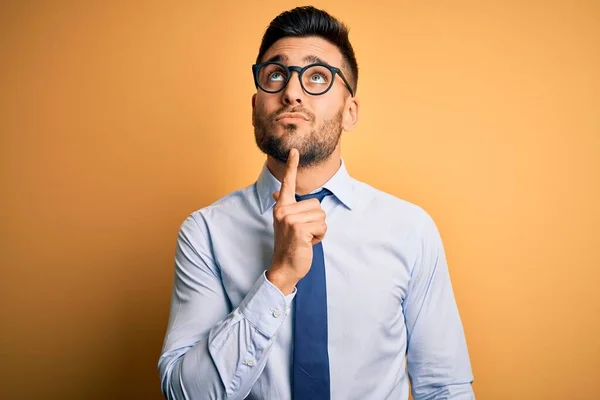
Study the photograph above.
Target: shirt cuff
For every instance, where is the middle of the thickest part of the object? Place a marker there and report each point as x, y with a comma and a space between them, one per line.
266, 306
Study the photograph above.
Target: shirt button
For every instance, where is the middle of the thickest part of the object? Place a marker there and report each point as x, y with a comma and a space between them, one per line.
250, 363
276, 313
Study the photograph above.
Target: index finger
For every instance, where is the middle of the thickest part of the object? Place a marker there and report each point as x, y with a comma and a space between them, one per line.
287, 194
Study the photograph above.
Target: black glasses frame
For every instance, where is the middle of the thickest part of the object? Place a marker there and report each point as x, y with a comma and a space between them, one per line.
300, 70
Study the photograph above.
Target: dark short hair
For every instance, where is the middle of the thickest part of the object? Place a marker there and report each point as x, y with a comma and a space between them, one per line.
310, 21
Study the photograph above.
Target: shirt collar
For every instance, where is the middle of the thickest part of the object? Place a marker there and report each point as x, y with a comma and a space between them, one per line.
340, 185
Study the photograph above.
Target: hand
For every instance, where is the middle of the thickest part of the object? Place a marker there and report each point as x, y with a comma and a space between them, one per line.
298, 226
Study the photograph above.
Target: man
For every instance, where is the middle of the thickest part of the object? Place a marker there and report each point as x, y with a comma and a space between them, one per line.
318, 287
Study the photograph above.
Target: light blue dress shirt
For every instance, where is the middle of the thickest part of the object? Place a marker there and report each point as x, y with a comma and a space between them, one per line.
391, 308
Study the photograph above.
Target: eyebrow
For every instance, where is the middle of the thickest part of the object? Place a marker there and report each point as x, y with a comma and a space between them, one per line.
307, 59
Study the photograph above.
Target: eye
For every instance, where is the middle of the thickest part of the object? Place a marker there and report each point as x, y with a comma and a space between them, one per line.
318, 78
276, 76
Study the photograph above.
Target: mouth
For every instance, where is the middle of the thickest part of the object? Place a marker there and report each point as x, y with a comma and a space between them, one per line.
291, 117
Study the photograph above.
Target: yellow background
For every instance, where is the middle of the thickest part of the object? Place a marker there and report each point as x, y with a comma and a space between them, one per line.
118, 120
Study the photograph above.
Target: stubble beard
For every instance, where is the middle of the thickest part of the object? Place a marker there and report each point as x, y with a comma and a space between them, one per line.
314, 146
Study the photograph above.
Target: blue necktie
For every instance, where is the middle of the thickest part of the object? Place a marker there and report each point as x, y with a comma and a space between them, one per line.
311, 358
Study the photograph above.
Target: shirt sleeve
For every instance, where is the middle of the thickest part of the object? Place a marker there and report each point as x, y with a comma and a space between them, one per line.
210, 350
438, 361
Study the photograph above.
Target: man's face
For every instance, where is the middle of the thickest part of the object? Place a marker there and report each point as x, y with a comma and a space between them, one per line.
316, 126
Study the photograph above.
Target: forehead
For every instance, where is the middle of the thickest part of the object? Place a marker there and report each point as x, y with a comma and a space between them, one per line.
298, 51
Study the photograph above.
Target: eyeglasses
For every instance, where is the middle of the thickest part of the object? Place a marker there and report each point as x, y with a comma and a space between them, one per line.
315, 79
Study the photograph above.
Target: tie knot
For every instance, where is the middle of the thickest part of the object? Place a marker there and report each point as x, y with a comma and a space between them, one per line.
319, 195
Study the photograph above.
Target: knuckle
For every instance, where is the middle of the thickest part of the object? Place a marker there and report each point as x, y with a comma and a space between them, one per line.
279, 213
287, 219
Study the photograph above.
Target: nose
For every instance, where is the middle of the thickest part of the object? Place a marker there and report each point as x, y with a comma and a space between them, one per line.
293, 92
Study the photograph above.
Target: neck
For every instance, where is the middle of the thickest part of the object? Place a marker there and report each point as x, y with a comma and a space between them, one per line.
308, 179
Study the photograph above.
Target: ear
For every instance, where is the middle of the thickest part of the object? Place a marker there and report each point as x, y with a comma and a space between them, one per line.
350, 114
253, 107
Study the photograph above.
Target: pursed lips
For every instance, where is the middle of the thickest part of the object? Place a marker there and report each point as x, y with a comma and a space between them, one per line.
292, 115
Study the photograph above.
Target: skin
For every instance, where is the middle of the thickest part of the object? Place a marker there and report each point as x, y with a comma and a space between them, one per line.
302, 153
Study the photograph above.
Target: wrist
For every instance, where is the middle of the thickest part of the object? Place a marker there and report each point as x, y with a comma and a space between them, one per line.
281, 280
